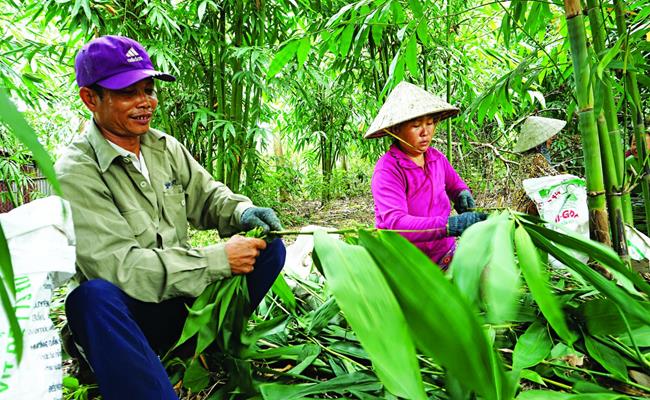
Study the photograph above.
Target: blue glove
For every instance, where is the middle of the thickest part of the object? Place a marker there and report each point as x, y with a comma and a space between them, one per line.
464, 202
457, 224
260, 217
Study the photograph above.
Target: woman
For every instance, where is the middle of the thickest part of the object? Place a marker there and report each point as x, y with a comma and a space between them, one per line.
413, 183
533, 143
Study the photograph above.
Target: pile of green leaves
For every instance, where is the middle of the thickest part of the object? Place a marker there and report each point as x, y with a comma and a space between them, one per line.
498, 323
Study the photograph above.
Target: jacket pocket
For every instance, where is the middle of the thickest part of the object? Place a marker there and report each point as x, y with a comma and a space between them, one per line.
176, 212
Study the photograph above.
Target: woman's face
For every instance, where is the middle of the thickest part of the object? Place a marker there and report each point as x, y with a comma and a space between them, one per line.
418, 133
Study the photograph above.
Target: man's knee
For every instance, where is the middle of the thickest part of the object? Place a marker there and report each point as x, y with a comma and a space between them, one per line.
92, 295
276, 251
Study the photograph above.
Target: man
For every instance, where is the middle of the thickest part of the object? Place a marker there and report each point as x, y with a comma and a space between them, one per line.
133, 191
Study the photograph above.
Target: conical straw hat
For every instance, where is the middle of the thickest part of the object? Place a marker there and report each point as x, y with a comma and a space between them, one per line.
537, 130
406, 102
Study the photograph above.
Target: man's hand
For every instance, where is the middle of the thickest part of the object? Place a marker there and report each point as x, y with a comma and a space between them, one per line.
260, 217
457, 224
464, 202
242, 253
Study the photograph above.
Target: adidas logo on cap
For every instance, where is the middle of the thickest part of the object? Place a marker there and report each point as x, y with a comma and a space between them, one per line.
132, 55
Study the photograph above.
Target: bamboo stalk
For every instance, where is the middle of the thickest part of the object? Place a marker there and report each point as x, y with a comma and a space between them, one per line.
637, 113
610, 141
598, 223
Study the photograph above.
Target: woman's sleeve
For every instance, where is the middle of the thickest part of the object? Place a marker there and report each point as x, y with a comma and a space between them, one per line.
391, 208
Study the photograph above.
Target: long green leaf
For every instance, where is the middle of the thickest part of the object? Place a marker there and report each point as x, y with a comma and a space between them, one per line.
282, 58
473, 251
602, 317
609, 358
442, 322
322, 316
598, 251
502, 284
6, 298
373, 313
532, 347
21, 129
538, 282
626, 302
551, 395
283, 291
341, 385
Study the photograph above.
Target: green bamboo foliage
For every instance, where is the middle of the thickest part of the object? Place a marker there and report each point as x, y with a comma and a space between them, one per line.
636, 109
598, 223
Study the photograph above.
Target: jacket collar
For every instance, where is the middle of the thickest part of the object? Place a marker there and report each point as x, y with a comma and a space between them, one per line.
153, 139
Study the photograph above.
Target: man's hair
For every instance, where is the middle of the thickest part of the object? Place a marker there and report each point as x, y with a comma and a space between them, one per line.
97, 89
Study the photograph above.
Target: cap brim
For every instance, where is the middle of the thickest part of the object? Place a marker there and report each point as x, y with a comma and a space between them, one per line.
128, 78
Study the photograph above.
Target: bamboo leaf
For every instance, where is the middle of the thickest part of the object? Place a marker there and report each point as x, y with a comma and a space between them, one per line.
532, 376
370, 307
303, 50
641, 337
610, 359
626, 302
346, 40
471, 257
308, 355
201, 9
450, 333
283, 291
341, 385
196, 378
608, 57
537, 278
10, 314
532, 347
412, 56
25, 134
598, 251
336, 16
282, 58
602, 317
323, 315
502, 285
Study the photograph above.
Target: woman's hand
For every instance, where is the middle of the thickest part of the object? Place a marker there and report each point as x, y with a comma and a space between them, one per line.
464, 202
457, 224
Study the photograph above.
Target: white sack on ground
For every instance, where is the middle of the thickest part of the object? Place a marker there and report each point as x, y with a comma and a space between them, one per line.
41, 240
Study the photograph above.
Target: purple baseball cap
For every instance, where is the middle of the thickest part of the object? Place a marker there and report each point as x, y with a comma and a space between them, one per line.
114, 62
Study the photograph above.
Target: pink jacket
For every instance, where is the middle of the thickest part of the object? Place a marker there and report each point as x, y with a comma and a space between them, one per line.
412, 198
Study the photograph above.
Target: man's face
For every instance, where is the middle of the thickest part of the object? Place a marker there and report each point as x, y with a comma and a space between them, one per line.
127, 112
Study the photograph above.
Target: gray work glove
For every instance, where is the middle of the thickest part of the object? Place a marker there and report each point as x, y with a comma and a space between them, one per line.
457, 224
260, 217
464, 202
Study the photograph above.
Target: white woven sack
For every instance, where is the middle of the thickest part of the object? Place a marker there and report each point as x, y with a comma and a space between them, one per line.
41, 241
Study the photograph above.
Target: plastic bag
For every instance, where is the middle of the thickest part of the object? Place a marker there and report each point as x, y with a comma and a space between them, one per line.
41, 240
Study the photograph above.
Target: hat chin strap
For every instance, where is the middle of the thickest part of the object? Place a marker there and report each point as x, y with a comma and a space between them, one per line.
400, 139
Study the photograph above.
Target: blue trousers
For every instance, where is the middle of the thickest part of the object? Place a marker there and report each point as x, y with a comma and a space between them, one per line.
121, 336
